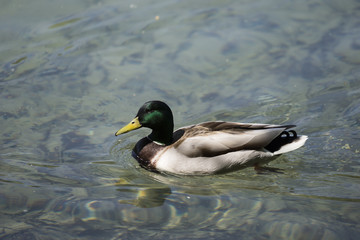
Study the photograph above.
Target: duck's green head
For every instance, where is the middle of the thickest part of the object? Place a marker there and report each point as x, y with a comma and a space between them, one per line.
155, 115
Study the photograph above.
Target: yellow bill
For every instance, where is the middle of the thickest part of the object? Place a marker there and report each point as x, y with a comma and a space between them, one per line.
134, 124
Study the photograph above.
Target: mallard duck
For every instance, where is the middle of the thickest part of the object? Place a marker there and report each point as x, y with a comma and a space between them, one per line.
208, 147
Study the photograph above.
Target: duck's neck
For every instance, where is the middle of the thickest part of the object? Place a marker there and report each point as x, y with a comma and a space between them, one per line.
164, 135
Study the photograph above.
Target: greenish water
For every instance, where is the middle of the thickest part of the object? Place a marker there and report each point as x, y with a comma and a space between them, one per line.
73, 73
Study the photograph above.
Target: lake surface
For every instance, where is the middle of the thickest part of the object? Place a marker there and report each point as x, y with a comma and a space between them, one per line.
74, 72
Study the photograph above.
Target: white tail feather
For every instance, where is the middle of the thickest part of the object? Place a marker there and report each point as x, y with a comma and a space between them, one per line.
300, 141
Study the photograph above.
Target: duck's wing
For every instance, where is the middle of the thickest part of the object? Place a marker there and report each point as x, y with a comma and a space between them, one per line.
211, 139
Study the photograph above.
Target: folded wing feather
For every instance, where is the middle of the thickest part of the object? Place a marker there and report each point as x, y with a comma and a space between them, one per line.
215, 138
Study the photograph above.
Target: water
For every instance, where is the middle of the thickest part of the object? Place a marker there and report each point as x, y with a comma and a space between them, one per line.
73, 73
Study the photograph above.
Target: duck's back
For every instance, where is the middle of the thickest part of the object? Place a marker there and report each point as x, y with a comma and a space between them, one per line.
210, 139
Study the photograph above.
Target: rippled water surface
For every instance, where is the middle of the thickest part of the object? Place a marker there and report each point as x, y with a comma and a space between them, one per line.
74, 72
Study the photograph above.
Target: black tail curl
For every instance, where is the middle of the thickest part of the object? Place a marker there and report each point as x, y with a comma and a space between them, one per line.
287, 134
284, 138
